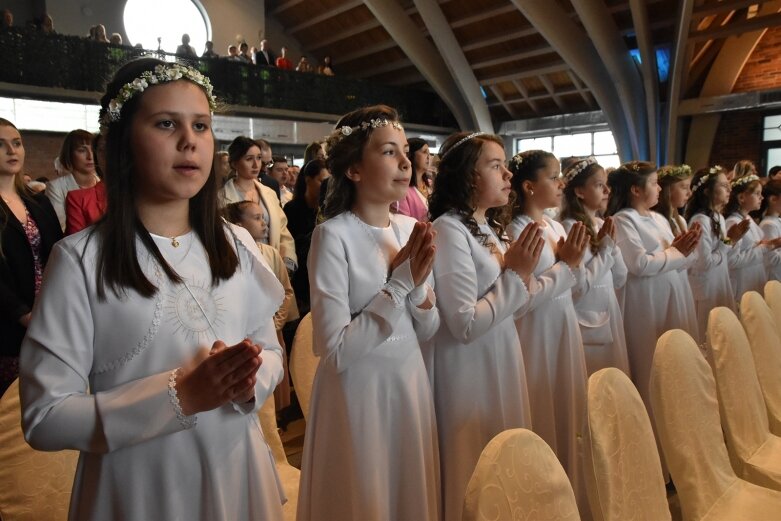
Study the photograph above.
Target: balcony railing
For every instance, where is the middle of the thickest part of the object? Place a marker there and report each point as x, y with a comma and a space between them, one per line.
29, 57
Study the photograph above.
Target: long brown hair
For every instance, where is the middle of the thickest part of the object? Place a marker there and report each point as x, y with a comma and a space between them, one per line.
118, 266
622, 179
345, 150
525, 166
700, 201
572, 207
668, 176
454, 186
19, 185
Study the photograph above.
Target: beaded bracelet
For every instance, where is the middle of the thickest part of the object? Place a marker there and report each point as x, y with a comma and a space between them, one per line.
187, 422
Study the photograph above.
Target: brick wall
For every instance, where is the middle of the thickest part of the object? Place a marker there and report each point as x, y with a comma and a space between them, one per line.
740, 133
40, 150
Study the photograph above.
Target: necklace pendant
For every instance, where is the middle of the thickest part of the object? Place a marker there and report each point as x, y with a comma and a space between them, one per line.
174, 242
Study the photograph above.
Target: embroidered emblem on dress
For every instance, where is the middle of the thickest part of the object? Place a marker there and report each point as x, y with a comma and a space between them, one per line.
194, 310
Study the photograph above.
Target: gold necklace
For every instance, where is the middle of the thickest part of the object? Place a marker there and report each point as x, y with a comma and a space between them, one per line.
174, 240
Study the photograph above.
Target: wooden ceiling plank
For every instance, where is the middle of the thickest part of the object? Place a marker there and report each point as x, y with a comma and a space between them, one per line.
485, 15
327, 15
284, 6
530, 53
493, 40
509, 108
525, 93
384, 68
362, 52
549, 87
737, 27
526, 73
579, 87
719, 7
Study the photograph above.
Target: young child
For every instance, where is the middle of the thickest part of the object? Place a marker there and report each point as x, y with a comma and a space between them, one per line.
770, 212
747, 258
547, 324
599, 314
654, 298
249, 215
709, 273
370, 450
475, 361
154, 321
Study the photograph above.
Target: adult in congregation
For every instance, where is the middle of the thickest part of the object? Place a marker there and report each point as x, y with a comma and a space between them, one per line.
28, 231
78, 160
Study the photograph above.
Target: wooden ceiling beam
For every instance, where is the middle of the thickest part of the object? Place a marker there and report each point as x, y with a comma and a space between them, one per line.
284, 6
327, 15
530, 53
508, 107
362, 52
514, 100
484, 15
549, 87
720, 7
526, 73
737, 27
525, 93
384, 68
579, 87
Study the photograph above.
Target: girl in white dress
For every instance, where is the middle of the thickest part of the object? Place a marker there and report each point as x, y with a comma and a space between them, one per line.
654, 299
548, 324
747, 258
152, 346
475, 361
370, 452
599, 314
709, 273
771, 225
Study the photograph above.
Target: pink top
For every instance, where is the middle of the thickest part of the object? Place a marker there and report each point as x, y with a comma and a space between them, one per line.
83, 207
412, 205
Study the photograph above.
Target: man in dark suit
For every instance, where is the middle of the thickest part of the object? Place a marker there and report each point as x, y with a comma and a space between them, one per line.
267, 160
263, 55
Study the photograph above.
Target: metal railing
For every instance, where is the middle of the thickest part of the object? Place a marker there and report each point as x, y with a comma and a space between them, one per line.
28, 57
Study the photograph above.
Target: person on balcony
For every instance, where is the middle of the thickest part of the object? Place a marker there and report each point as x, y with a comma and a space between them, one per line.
263, 55
209, 52
282, 62
186, 50
304, 65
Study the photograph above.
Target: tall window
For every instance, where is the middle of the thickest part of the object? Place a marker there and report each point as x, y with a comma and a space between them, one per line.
148, 20
598, 144
771, 137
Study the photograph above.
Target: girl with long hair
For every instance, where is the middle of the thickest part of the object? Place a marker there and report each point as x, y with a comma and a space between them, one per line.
547, 324
475, 360
28, 230
415, 201
153, 346
746, 260
654, 299
709, 273
604, 272
371, 429
675, 190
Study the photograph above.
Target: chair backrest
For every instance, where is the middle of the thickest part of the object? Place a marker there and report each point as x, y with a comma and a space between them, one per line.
35, 486
757, 319
686, 411
742, 406
268, 422
627, 481
303, 363
773, 299
519, 477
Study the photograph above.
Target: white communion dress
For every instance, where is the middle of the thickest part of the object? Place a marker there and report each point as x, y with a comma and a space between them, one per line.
95, 378
597, 307
553, 352
655, 300
370, 452
709, 272
771, 229
747, 259
475, 361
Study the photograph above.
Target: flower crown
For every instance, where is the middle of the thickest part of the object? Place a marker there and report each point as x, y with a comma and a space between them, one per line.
714, 170
346, 130
521, 157
459, 143
679, 171
578, 167
744, 180
162, 73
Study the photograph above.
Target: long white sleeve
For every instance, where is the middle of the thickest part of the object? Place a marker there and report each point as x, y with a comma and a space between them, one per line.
466, 314
747, 251
709, 254
771, 229
597, 267
639, 261
339, 338
425, 321
58, 411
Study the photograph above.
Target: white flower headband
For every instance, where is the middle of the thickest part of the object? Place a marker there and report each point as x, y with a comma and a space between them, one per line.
714, 170
578, 167
459, 143
744, 180
162, 73
345, 131
682, 171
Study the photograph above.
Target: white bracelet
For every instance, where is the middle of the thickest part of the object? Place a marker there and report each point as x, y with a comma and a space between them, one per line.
188, 422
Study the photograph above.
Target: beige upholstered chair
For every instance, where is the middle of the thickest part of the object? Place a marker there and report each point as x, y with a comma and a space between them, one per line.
773, 299
34, 485
288, 474
754, 451
624, 475
686, 410
303, 363
519, 477
757, 319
